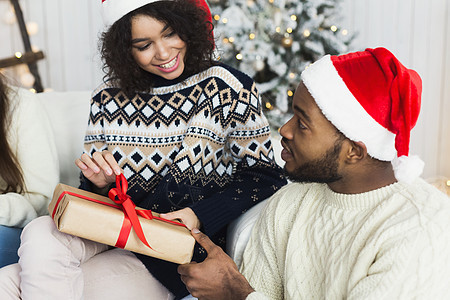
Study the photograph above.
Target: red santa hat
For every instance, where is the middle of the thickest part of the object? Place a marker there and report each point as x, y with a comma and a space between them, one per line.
371, 98
113, 10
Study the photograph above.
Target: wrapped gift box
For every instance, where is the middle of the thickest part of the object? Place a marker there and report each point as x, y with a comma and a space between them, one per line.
99, 219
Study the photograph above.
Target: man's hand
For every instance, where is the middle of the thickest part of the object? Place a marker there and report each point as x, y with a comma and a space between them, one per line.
217, 277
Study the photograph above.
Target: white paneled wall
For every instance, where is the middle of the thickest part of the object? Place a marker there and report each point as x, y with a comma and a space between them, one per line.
417, 31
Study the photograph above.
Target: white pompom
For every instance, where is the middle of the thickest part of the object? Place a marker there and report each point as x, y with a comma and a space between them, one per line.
407, 168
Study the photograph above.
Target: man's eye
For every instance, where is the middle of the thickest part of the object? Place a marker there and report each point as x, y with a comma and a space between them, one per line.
300, 124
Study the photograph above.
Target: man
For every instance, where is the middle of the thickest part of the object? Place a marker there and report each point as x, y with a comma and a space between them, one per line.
358, 222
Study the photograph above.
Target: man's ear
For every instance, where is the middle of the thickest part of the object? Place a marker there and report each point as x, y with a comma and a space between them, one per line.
356, 151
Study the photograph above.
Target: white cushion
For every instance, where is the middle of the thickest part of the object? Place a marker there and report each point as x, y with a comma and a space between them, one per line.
68, 113
239, 232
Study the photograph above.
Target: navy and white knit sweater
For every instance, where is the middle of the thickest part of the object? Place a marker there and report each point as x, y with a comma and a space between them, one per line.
202, 143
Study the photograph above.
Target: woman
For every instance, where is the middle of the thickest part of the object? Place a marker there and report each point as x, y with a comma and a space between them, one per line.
28, 166
187, 132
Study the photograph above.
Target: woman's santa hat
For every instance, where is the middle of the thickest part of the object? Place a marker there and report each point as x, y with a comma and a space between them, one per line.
371, 98
113, 10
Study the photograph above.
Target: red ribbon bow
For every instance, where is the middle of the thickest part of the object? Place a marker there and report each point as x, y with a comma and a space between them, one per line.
120, 197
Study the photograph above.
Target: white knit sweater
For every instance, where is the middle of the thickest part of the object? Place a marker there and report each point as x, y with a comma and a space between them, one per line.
31, 139
390, 243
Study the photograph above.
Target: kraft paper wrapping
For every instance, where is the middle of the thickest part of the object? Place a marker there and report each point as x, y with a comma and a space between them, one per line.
102, 223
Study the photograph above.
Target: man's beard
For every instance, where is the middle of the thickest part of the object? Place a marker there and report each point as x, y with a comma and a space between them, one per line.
323, 170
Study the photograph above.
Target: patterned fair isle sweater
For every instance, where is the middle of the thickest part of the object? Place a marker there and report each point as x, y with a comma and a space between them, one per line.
202, 143
313, 243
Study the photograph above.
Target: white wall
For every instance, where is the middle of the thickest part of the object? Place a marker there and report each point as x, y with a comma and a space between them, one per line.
417, 31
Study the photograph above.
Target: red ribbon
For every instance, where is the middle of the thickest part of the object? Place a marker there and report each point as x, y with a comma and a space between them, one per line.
124, 203
120, 197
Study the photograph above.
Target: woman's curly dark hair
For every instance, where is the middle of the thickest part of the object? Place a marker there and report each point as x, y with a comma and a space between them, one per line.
190, 23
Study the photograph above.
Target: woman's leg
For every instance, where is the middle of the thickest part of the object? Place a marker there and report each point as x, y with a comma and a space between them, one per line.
50, 261
119, 274
9, 282
9, 243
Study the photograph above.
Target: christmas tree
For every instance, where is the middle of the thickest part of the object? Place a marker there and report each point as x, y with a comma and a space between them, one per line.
274, 40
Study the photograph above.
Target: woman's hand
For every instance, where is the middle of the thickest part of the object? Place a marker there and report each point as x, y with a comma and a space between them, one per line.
186, 216
101, 169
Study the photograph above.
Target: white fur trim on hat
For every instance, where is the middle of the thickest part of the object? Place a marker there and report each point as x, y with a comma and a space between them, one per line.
343, 110
113, 10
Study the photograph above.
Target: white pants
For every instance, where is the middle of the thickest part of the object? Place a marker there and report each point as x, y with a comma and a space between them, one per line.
55, 265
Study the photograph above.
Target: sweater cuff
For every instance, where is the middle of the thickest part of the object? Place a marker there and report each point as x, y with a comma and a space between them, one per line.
85, 184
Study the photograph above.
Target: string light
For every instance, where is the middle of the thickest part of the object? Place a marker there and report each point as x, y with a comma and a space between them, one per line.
269, 105
239, 56
259, 64
231, 39
252, 36
306, 33
290, 93
27, 79
293, 17
10, 17
32, 28
289, 30
278, 29
344, 32
291, 75
224, 20
216, 17
18, 54
225, 41
333, 28
286, 42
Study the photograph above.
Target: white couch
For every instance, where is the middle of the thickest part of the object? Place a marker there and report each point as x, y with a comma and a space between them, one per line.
68, 113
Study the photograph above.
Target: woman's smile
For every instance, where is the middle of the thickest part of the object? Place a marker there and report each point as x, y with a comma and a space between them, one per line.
170, 66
